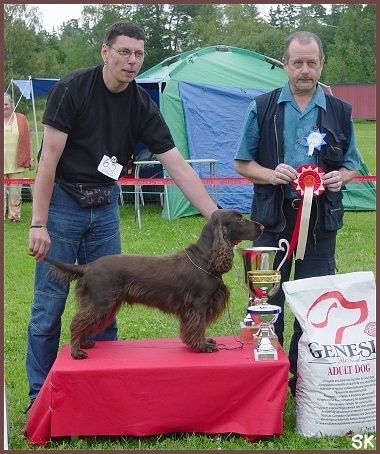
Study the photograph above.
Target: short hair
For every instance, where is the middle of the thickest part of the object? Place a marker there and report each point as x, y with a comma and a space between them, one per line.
9, 97
124, 28
304, 38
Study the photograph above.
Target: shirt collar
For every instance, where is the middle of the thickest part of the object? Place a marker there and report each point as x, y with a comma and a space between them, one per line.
318, 98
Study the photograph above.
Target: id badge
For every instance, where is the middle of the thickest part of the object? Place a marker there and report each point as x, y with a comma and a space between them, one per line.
110, 167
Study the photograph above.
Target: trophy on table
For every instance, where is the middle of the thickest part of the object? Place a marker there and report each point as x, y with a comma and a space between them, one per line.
263, 281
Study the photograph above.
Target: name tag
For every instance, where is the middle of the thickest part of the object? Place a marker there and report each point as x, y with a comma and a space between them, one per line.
110, 167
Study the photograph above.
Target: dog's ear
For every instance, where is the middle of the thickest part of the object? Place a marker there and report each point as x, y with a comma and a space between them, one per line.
221, 256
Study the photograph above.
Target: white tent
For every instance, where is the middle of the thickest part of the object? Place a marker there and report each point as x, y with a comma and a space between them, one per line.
32, 88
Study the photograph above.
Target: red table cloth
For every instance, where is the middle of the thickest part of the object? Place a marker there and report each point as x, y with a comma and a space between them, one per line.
157, 386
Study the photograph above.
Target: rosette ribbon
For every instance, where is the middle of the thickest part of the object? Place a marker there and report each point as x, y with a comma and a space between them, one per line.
308, 185
314, 141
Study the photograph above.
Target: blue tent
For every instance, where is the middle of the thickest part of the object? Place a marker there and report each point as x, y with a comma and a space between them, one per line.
203, 96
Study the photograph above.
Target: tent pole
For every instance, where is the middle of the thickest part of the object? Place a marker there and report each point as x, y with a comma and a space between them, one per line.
34, 113
12, 88
166, 193
15, 105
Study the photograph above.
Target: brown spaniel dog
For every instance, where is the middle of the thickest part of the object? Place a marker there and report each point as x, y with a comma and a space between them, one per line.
187, 283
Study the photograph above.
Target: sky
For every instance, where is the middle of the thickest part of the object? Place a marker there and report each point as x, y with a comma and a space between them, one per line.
55, 14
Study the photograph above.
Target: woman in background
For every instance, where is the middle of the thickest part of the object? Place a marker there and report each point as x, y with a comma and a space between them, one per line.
18, 156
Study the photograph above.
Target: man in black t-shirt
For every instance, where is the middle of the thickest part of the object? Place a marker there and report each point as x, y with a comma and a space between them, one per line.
93, 120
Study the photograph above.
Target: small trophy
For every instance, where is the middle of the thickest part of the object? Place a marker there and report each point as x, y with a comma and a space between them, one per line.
263, 282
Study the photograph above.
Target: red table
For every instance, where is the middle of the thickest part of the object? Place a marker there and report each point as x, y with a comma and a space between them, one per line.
157, 386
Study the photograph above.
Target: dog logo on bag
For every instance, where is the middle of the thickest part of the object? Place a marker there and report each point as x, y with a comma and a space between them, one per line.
333, 299
326, 314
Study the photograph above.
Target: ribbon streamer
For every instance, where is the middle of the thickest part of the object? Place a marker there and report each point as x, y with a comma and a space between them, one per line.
304, 222
308, 184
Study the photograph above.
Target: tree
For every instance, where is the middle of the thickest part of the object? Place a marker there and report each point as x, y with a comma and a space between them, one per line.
207, 27
153, 19
243, 25
284, 16
347, 33
72, 44
271, 43
179, 22
20, 26
353, 53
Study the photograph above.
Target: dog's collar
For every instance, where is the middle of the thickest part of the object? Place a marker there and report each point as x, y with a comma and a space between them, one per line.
200, 268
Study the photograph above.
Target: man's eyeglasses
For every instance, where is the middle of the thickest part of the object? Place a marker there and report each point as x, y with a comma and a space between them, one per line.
139, 54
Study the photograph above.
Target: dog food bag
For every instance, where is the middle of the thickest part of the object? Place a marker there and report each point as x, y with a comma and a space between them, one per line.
336, 390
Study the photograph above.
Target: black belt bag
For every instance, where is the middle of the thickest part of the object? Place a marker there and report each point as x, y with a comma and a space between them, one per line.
88, 195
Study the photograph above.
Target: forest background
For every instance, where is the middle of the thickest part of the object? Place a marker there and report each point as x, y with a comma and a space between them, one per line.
347, 32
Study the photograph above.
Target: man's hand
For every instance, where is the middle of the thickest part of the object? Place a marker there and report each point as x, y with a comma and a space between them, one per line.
333, 181
39, 243
284, 174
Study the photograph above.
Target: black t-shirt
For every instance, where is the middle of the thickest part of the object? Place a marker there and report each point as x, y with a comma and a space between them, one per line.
99, 122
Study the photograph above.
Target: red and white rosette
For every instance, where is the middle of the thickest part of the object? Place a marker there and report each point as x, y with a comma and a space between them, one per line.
308, 185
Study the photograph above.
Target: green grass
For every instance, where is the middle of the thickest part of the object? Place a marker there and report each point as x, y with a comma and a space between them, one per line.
356, 251
157, 236
365, 132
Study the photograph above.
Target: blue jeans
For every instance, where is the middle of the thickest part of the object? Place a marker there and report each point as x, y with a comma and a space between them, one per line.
77, 235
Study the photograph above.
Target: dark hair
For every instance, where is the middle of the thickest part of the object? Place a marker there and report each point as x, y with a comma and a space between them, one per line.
123, 28
304, 38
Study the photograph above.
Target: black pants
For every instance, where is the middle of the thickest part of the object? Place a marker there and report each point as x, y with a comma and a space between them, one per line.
319, 260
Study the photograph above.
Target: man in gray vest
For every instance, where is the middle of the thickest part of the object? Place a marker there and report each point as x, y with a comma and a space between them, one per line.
287, 131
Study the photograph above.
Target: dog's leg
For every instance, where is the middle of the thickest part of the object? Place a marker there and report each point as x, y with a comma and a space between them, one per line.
192, 332
88, 322
80, 329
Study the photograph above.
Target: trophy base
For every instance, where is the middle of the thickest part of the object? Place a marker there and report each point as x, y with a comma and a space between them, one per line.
266, 344
272, 338
248, 333
265, 355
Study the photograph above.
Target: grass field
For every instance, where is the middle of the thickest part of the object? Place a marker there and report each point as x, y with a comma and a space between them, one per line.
355, 252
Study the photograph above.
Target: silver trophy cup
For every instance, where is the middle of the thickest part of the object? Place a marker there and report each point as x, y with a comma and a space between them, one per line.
263, 281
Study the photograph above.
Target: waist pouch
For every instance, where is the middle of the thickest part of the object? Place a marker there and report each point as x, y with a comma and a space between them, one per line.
88, 195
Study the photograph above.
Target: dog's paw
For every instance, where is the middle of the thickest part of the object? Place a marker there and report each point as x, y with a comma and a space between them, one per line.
78, 354
211, 345
208, 347
86, 343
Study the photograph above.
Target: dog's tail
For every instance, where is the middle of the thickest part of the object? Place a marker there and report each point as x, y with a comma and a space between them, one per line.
66, 272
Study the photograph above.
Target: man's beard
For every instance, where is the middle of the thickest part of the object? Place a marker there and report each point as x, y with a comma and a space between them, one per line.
302, 85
